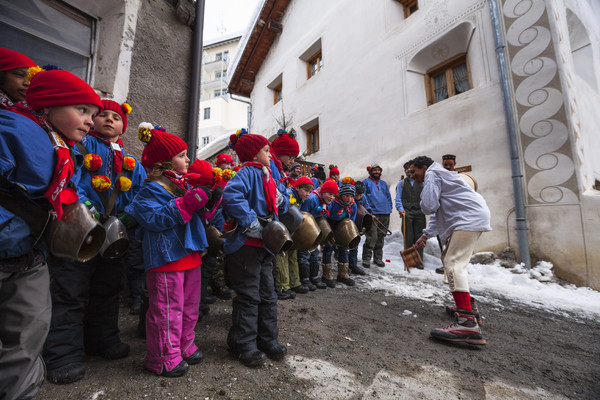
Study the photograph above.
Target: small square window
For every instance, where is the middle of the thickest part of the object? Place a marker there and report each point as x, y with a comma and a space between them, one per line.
315, 64
410, 7
277, 93
448, 79
207, 113
312, 139
205, 140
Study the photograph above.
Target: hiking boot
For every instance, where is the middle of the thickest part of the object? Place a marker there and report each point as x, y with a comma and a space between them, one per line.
309, 285
366, 264
356, 270
286, 295
318, 283
66, 374
379, 263
465, 330
252, 358
195, 358
300, 289
179, 370
451, 310
327, 277
343, 276
274, 351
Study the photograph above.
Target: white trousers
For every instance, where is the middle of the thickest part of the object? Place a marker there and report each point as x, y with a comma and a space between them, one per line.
455, 258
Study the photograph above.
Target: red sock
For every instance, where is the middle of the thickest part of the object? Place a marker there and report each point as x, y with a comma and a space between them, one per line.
462, 300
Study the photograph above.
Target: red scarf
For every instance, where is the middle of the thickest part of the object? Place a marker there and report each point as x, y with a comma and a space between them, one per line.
277, 161
178, 180
268, 185
343, 207
118, 153
58, 194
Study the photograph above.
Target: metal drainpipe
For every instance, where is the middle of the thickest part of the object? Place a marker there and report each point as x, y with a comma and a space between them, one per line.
517, 175
249, 108
195, 84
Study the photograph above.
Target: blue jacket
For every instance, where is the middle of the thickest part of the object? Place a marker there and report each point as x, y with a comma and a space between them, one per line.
281, 186
315, 182
26, 158
244, 200
293, 194
165, 235
314, 205
365, 203
218, 220
378, 196
85, 190
338, 211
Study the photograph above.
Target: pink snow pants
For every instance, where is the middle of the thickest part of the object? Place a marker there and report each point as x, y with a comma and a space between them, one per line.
173, 313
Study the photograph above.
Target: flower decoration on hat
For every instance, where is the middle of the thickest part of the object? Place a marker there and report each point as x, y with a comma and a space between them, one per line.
292, 200
92, 162
234, 138
348, 180
217, 174
101, 183
129, 163
144, 132
314, 166
332, 166
227, 174
32, 71
123, 184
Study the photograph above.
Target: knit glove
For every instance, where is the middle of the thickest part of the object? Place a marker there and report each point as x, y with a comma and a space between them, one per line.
214, 199
194, 199
254, 230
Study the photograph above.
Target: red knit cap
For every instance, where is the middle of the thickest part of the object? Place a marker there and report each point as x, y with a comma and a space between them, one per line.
57, 88
161, 146
333, 170
223, 158
247, 145
329, 186
200, 173
303, 180
10, 59
285, 144
121, 109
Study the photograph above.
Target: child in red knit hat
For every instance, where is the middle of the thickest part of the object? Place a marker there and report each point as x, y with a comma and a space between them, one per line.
173, 240
13, 76
334, 173
109, 180
37, 164
249, 198
224, 161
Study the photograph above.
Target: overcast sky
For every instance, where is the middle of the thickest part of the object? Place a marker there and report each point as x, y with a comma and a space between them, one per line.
227, 16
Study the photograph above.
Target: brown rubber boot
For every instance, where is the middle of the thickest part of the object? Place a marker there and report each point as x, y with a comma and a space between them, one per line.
343, 276
328, 275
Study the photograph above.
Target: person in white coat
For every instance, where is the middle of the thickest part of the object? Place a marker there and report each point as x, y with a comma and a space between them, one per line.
458, 215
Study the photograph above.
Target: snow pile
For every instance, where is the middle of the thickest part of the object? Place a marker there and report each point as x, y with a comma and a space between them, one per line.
489, 283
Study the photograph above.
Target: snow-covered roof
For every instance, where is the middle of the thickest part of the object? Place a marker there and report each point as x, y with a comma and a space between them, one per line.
215, 147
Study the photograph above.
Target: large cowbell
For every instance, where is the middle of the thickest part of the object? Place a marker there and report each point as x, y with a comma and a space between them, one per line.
77, 236
116, 242
308, 235
276, 237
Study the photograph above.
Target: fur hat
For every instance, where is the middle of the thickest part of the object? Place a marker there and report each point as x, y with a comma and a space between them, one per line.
329, 186
223, 158
347, 186
303, 180
200, 173
285, 144
57, 88
333, 170
247, 145
121, 109
161, 146
10, 59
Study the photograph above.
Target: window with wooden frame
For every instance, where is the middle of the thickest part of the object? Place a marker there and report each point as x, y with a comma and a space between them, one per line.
312, 140
207, 113
277, 93
448, 79
314, 65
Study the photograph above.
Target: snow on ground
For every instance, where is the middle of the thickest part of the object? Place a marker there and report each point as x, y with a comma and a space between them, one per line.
536, 288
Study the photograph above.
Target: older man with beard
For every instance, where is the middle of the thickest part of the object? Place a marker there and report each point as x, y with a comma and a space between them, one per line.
458, 216
378, 195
